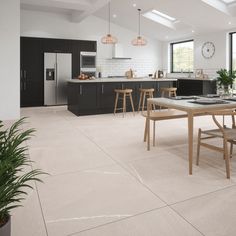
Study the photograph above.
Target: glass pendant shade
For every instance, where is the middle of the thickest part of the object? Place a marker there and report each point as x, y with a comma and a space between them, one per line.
109, 39
139, 41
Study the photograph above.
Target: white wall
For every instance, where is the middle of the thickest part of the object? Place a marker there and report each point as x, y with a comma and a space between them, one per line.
145, 59
9, 59
209, 66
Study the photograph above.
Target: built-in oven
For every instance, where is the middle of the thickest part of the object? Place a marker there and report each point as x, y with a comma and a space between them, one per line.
87, 60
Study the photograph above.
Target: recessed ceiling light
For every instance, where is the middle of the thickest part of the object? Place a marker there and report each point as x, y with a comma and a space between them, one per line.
167, 37
134, 5
193, 31
114, 15
229, 23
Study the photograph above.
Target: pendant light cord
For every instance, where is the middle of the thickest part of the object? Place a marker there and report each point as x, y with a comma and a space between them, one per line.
109, 17
139, 22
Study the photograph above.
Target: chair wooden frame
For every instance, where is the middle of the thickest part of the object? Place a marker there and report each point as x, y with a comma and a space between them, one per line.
161, 115
228, 135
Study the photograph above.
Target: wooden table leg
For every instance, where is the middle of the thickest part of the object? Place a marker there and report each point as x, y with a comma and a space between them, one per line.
148, 124
190, 142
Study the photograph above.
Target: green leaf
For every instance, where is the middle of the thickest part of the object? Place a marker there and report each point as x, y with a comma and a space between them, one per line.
13, 158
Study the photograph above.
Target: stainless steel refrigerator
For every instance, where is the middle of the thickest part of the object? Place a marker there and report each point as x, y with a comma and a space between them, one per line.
57, 71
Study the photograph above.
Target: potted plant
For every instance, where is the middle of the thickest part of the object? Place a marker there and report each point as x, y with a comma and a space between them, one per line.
13, 179
226, 79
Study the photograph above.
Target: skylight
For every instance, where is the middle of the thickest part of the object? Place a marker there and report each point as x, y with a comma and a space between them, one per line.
228, 1
164, 15
161, 18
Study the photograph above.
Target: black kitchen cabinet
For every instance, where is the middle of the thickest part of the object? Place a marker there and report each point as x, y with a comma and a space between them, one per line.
31, 73
195, 87
56, 45
96, 97
82, 99
106, 93
32, 64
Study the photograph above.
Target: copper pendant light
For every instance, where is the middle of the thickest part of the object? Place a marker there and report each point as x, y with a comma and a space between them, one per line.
139, 41
109, 39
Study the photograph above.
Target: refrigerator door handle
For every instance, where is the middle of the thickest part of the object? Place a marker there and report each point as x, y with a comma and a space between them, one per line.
55, 69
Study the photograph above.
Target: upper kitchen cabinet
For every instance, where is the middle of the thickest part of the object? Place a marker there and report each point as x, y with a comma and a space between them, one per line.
56, 45
88, 46
31, 73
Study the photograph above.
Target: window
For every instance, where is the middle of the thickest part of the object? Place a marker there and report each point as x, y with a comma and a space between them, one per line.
233, 51
182, 56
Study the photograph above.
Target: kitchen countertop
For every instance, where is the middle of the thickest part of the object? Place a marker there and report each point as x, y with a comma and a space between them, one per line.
141, 79
209, 79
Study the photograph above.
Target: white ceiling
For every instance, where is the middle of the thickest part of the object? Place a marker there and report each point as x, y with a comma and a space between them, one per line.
194, 16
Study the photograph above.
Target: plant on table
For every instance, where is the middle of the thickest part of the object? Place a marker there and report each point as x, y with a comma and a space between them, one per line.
13, 158
226, 78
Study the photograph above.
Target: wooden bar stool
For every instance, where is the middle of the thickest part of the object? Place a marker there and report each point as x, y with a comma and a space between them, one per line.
124, 94
169, 92
144, 93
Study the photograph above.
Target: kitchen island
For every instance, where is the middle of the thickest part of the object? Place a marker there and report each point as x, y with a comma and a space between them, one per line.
97, 96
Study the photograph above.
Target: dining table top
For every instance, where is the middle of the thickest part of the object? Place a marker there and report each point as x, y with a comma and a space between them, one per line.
194, 103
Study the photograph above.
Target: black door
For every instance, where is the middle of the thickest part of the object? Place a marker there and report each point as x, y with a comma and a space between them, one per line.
31, 72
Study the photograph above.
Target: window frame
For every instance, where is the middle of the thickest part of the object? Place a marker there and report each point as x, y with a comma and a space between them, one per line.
172, 55
231, 50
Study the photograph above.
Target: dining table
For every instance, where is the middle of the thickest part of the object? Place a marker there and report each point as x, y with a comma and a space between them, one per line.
193, 106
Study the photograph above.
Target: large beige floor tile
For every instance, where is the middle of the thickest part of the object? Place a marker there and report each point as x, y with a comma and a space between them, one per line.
69, 158
167, 175
213, 214
83, 200
28, 220
163, 222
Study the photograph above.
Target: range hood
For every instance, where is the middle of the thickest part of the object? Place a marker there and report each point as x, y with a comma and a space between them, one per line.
117, 52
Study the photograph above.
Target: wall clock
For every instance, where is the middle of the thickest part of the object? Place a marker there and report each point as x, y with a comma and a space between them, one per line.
208, 50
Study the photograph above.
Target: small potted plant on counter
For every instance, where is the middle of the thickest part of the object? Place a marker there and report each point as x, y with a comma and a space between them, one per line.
226, 79
13, 179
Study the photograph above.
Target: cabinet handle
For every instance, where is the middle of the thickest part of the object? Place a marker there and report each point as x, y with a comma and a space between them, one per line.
25, 85
21, 87
102, 89
80, 90
25, 74
21, 73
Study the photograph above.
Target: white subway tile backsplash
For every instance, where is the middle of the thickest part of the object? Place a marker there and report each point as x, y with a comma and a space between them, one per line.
119, 67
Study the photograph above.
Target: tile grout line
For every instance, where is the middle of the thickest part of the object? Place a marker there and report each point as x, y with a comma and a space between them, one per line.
186, 220
167, 205
116, 221
36, 188
145, 186
135, 177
